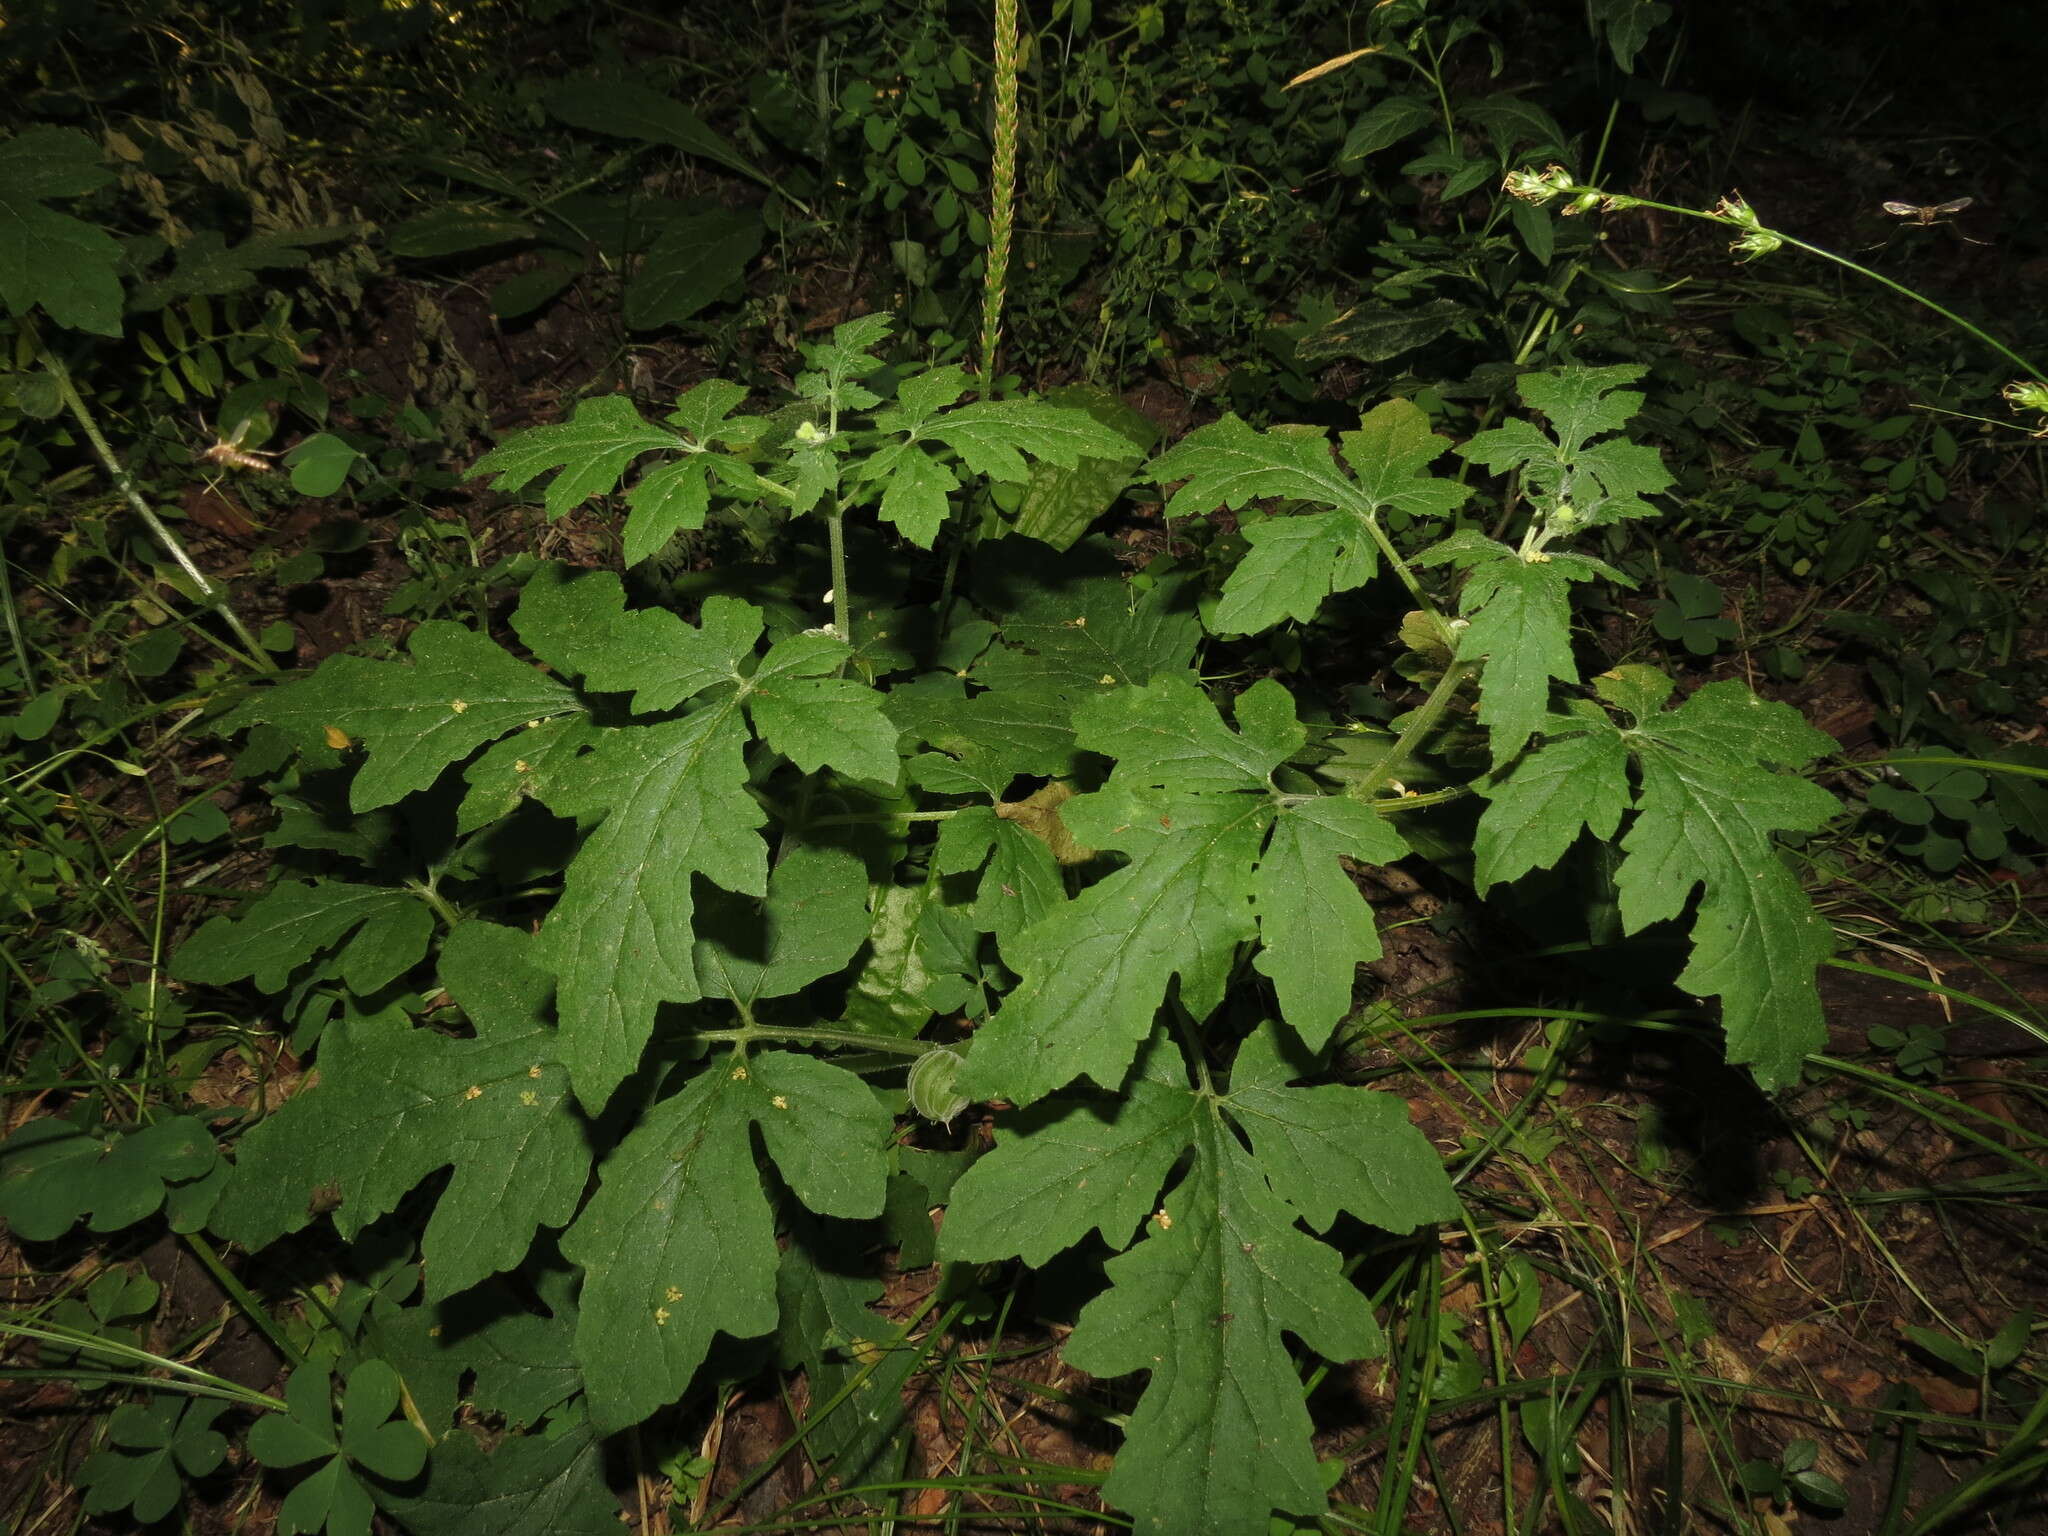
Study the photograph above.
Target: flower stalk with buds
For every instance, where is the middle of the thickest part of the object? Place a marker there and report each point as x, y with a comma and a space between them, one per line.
1755, 239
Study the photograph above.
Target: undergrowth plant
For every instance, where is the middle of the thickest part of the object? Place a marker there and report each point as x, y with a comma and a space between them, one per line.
902, 879
739, 911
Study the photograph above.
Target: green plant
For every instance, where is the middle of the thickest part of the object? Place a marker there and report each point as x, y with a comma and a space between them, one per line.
334, 1495
712, 985
1792, 1477
878, 873
1691, 615
154, 1447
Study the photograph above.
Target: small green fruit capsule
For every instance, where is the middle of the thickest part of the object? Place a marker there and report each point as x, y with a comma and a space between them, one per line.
931, 1081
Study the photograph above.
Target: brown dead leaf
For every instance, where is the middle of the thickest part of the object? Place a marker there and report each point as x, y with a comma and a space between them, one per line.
1857, 1385
1039, 814
1795, 1340
1945, 1396
216, 514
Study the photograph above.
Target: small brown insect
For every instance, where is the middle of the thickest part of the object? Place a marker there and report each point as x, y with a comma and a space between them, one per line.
1927, 215
229, 453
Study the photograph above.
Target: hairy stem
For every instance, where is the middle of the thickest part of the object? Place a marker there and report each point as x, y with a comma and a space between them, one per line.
811, 1035
1420, 726
1734, 214
842, 609
212, 595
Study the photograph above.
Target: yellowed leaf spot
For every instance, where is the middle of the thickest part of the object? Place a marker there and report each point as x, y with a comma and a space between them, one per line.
337, 738
472, 1092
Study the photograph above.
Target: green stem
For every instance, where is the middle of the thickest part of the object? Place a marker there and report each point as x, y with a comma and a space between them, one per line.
158, 529
1191, 1041
842, 609
450, 918
819, 1413
810, 1035
226, 1279
194, 1382
14, 635
1983, 764
1420, 725
882, 818
1917, 297
1623, 202
1400, 569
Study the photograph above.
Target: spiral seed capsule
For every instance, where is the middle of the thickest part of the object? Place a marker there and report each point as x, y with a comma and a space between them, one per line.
931, 1081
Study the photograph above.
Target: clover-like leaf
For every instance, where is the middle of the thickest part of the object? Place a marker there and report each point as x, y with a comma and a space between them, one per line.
152, 1448
54, 1172
333, 1496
